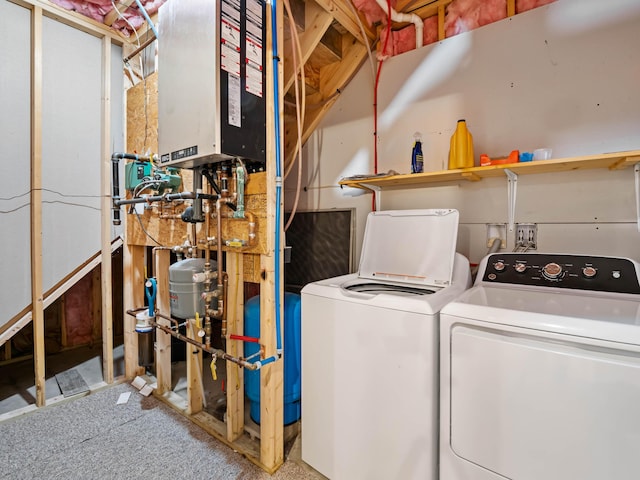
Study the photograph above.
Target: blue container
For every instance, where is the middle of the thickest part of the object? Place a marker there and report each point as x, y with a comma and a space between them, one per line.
291, 356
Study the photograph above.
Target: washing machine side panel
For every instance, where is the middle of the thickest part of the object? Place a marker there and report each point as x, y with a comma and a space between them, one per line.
528, 405
369, 391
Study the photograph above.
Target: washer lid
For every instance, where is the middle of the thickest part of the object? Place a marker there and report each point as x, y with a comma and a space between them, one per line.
410, 246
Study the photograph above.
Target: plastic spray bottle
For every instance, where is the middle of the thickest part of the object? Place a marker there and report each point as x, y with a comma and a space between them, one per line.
417, 160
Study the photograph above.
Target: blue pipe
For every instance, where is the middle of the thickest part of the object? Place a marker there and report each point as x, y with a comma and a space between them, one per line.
146, 16
278, 221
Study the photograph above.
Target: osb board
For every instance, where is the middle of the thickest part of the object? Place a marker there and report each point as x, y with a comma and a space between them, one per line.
142, 137
142, 116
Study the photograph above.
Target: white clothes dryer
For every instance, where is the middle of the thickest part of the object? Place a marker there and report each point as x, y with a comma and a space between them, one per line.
540, 371
370, 351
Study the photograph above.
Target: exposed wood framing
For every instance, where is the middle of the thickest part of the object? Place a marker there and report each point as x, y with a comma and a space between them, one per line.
37, 298
347, 17
163, 305
113, 15
106, 277
133, 297
235, 326
319, 20
511, 8
72, 19
271, 375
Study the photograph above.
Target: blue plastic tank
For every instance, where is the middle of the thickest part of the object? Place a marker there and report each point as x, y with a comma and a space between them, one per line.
291, 356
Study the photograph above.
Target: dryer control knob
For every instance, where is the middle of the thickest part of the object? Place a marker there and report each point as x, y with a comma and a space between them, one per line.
520, 267
589, 272
552, 271
499, 266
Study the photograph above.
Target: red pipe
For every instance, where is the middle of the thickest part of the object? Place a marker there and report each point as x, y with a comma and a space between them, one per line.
244, 339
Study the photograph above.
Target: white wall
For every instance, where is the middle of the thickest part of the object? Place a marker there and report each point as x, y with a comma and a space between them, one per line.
563, 76
72, 127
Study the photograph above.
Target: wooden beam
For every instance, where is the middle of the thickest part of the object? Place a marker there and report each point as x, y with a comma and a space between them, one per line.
441, 15
235, 326
333, 79
511, 8
133, 297
105, 191
114, 14
345, 16
163, 305
318, 21
195, 389
37, 300
271, 375
73, 19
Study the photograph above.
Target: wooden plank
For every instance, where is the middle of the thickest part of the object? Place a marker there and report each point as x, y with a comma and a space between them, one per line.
163, 305
511, 8
73, 19
333, 78
114, 14
441, 15
195, 394
271, 376
346, 17
133, 297
235, 326
37, 300
318, 21
105, 216
611, 161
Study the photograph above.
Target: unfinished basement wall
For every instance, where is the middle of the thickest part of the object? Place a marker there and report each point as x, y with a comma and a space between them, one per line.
73, 123
562, 76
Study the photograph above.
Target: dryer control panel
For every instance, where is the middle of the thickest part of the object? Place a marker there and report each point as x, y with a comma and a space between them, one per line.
583, 272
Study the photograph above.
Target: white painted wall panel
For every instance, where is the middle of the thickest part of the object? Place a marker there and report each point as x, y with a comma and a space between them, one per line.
71, 144
117, 119
563, 76
15, 138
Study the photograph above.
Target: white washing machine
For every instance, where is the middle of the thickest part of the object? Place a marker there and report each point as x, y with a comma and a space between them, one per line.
370, 350
540, 371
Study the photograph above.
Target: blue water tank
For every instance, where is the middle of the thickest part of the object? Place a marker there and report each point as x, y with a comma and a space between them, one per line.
291, 356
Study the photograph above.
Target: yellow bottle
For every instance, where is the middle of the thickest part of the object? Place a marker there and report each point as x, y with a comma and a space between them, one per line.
461, 147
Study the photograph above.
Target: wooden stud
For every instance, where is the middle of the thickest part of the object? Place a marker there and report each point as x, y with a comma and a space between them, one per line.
195, 393
441, 15
511, 8
37, 300
163, 305
319, 20
114, 14
106, 277
235, 325
133, 297
271, 375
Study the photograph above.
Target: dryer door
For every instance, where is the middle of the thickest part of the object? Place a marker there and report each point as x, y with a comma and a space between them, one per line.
530, 405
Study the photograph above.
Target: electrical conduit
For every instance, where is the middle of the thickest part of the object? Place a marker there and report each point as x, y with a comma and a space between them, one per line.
278, 213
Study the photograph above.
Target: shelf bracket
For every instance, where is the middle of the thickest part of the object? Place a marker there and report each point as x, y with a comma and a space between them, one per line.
636, 170
377, 192
512, 184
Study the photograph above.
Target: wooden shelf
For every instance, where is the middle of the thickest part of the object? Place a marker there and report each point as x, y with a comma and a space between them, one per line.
611, 161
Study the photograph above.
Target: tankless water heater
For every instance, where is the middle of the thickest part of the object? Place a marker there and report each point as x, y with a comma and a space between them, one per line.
211, 81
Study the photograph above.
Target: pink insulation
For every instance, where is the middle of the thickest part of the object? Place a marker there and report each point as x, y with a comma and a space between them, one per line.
404, 40
524, 5
465, 15
97, 9
372, 11
78, 313
461, 16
